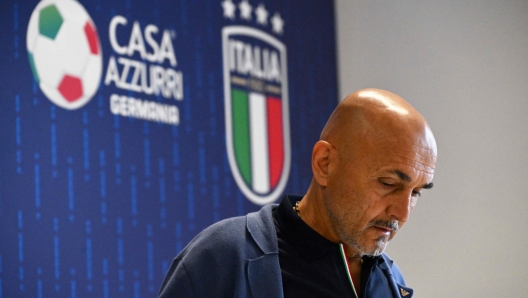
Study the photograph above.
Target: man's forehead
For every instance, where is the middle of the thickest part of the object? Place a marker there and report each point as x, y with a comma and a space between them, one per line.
417, 157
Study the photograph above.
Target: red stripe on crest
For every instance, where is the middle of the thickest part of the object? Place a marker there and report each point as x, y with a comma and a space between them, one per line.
275, 140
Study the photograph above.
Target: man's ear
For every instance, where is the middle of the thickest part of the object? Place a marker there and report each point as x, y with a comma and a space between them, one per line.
321, 162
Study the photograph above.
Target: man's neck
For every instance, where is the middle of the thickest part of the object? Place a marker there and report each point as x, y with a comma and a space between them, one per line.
312, 211
355, 265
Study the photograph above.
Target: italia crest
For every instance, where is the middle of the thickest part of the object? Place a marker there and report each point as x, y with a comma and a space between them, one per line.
256, 107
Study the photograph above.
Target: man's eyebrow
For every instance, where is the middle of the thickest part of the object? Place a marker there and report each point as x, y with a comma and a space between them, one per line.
406, 178
402, 175
428, 185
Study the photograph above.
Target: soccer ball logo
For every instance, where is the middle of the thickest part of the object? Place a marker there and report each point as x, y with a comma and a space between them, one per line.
64, 52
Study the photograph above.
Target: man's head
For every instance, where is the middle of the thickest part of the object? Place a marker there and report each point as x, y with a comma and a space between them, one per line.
375, 156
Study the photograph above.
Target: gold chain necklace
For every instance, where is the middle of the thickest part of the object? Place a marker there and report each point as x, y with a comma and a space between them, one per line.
296, 208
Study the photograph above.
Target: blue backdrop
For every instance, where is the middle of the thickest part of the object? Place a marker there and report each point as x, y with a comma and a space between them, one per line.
95, 202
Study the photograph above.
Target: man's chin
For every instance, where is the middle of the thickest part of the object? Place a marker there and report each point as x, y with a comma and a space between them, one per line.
377, 249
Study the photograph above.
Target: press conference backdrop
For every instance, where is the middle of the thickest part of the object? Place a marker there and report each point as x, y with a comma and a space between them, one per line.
129, 126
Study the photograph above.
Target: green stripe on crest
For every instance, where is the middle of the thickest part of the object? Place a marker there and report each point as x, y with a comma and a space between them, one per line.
241, 133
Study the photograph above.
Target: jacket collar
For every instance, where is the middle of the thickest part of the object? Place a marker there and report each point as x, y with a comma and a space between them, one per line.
263, 273
398, 289
262, 229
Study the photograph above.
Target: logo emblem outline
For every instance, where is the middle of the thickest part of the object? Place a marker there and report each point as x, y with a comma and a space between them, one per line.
273, 195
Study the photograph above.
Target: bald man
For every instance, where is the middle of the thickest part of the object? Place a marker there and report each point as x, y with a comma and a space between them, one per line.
375, 156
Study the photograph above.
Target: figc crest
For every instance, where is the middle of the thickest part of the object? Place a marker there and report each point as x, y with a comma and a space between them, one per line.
256, 112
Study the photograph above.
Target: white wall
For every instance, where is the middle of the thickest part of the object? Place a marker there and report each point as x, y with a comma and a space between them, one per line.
464, 66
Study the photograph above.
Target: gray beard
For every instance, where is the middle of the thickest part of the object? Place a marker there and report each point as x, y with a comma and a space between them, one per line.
352, 240
381, 244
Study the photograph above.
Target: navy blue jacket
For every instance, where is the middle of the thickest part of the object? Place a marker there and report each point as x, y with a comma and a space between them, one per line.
239, 257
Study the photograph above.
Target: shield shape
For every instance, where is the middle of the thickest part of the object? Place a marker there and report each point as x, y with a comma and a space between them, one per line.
256, 112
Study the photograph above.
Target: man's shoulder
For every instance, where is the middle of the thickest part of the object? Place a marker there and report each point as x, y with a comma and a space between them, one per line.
216, 263
233, 235
217, 237
230, 228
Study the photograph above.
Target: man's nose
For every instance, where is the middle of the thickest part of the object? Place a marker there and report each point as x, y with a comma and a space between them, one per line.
401, 206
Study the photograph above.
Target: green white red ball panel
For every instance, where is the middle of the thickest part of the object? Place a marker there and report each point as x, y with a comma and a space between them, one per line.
64, 52
72, 45
47, 61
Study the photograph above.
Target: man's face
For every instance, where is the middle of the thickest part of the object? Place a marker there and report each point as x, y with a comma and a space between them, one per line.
374, 188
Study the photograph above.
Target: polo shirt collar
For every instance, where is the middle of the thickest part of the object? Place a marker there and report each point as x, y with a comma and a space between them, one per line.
306, 241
